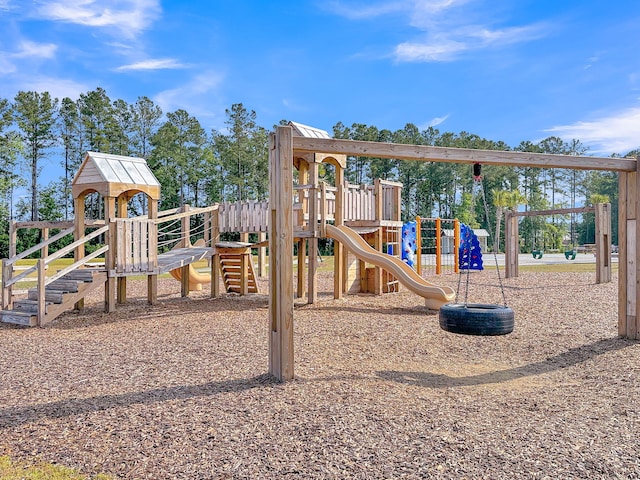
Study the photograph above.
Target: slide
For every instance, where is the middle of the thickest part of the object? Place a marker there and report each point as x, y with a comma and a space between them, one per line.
196, 279
434, 296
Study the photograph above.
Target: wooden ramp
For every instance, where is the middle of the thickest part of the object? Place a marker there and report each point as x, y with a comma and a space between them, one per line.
181, 257
60, 296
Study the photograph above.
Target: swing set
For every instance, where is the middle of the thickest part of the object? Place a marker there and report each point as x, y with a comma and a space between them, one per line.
602, 246
282, 146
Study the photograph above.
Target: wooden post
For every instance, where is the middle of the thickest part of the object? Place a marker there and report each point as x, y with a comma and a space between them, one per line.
215, 274
339, 259
122, 281
281, 360
511, 246
628, 254
377, 280
262, 255
603, 242
185, 243
44, 252
312, 242
245, 258
152, 232
41, 292
456, 246
302, 248
7, 271
78, 233
110, 255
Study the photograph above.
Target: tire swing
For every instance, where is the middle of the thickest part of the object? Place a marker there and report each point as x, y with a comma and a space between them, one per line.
477, 318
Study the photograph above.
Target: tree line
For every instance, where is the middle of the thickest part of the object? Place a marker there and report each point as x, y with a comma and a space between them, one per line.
39, 132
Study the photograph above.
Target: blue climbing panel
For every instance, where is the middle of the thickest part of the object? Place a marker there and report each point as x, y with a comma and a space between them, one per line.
409, 243
470, 253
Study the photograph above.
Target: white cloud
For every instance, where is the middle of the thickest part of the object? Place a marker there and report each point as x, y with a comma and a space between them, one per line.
439, 46
365, 9
615, 133
57, 87
193, 96
152, 64
31, 49
127, 17
447, 28
434, 122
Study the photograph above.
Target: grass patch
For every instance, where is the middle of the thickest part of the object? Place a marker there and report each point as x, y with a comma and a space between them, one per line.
13, 470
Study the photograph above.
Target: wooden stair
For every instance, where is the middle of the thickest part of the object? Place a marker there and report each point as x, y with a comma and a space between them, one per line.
60, 296
231, 270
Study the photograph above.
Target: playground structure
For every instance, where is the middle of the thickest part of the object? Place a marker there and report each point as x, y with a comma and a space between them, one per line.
366, 221
300, 213
602, 238
285, 146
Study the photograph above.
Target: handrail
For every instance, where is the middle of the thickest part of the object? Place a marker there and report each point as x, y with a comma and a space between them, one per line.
55, 256
35, 248
391, 183
188, 213
77, 243
77, 264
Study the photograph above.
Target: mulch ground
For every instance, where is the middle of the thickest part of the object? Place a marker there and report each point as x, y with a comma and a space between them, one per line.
180, 390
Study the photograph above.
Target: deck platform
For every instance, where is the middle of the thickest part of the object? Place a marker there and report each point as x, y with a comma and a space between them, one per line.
181, 257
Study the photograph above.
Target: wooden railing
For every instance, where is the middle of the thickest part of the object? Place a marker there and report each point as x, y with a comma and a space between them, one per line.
246, 216
137, 238
8, 265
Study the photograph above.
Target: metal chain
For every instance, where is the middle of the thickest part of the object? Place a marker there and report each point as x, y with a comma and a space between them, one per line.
495, 254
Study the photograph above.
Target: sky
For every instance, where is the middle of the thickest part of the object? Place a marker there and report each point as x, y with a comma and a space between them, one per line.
517, 70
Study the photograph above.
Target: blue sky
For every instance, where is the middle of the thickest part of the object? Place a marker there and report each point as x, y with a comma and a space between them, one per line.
505, 70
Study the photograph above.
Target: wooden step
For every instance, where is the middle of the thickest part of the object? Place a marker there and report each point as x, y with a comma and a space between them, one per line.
81, 275
64, 285
18, 318
27, 306
50, 295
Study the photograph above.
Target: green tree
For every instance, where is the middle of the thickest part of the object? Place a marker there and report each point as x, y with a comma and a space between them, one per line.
178, 158
504, 199
70, 133
10, 149
145, 122
243, 155
96, 117
35, 115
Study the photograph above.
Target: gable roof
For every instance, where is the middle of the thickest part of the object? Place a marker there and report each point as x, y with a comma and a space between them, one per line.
111, 175
301, 130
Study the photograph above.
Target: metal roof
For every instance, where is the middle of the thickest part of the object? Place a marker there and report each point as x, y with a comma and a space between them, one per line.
301, 130
120, 169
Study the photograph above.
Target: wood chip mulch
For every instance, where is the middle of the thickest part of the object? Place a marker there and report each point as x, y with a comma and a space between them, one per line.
180, 390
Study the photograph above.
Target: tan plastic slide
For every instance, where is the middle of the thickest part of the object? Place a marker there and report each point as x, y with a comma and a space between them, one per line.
434, 296
196, 279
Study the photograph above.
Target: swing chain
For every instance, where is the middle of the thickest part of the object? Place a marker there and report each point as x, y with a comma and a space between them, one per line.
495, 253
477, 181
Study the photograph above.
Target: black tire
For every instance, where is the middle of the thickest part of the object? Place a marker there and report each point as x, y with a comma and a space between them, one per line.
476, 319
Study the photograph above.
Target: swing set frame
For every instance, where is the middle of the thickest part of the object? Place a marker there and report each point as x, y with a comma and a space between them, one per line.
602, 245
283, 144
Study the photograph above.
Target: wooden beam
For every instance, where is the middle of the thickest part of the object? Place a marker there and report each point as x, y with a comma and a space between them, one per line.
280, 251
425, 153
555, 211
